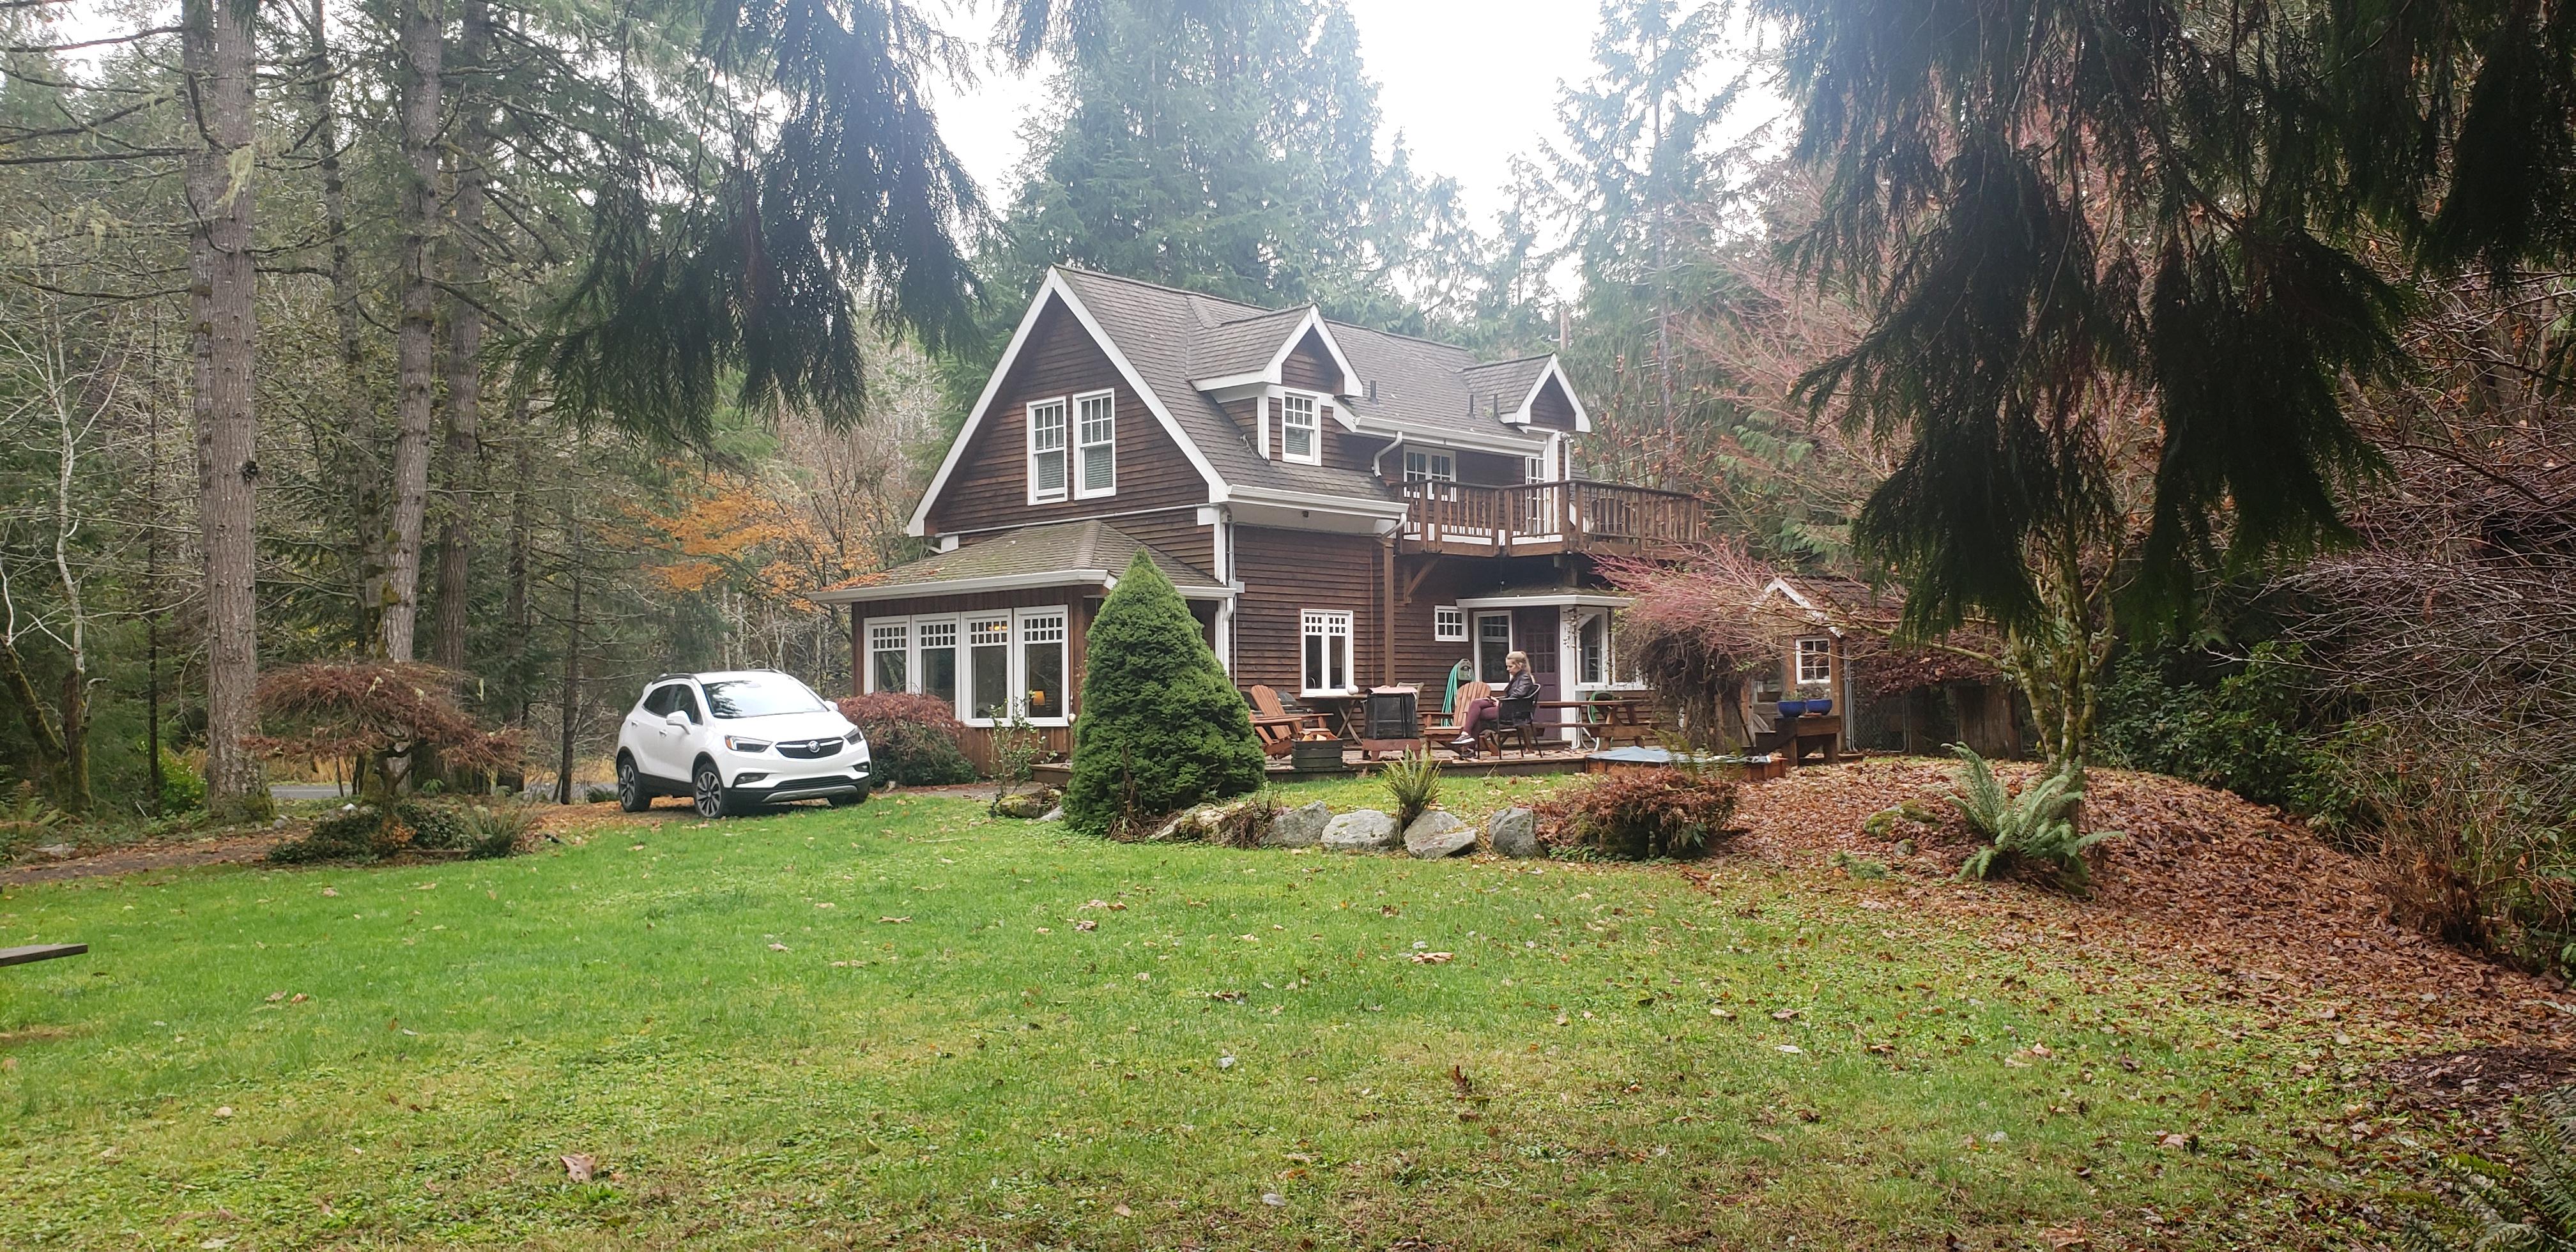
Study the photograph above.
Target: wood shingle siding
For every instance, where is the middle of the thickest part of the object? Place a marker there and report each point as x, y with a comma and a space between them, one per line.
1284, 573
1552, 409
989, 487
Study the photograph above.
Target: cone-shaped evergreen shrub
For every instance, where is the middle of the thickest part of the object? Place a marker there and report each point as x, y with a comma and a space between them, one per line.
1161, 727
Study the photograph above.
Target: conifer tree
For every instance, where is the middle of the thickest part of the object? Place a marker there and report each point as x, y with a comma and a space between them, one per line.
1161, 727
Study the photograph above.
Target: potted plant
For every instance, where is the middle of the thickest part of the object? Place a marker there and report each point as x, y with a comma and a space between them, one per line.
1792, 708
1818, 698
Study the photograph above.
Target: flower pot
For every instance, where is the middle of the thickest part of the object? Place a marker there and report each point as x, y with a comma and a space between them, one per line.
1315, 755
1818, 708
1793, 708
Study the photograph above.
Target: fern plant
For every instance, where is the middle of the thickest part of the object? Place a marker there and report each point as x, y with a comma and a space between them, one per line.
2529, 1208
2036, 825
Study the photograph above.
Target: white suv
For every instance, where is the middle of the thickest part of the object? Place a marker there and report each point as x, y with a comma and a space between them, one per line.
736, 740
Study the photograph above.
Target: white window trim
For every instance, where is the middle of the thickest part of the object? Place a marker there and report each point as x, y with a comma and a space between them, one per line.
1442, 633
1349, 624
1825, 653
1064, 661
1029, 463
1315, 410
1431, 459
868, 632
1476, 639
1016, 673
1080, 459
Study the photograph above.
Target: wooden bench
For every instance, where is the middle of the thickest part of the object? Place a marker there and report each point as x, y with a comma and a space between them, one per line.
40, 952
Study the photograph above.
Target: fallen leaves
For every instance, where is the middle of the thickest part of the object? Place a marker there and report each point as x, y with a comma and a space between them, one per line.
580, 1166
1433, 958
893, 921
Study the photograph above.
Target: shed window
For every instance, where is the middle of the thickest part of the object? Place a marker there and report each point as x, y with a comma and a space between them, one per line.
1046, 451
1815, 660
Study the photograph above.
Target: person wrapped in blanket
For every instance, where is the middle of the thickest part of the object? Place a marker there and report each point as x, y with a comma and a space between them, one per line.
1518, 700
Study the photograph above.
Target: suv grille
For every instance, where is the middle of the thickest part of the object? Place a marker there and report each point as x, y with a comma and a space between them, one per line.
810, 750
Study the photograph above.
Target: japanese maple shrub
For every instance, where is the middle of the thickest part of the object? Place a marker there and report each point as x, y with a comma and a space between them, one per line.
913, 740
1161, 726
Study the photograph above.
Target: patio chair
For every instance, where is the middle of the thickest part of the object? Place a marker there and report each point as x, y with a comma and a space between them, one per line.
1441, 725
1277, 727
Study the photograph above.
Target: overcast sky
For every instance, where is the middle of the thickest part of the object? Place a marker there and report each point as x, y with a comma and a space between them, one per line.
1469, 83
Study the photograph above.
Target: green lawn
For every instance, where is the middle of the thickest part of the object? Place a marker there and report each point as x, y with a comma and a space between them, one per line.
906, 1022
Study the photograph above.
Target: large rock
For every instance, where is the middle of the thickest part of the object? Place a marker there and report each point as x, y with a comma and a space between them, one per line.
1237, 823
1438, 833
1300, 827
1362, 830
1514, 832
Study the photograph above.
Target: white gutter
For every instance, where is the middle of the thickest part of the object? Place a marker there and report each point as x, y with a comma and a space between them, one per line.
993, 582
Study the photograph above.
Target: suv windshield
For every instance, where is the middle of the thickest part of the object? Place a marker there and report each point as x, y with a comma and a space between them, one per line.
731, 698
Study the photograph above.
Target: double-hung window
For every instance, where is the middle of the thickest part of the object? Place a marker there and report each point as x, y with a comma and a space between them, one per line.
1042, 641
1815, 660
1047, 471
1431, 467
1096, 441
890, 655
1327, 652
937, 672
1301, 435
988, 668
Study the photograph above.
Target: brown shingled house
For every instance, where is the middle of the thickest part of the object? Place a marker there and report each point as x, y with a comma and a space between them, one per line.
1342, 508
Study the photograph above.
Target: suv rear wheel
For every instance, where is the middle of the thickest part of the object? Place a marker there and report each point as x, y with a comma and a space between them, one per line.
631, 795
707, 791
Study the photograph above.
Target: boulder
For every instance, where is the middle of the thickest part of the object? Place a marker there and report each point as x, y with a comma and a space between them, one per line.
1300, 827
1438, 833
1362, 830
1237, 823
1055, 814
1514, 832
1028, 804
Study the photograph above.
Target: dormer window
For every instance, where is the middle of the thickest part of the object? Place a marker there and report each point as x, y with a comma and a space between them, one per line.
1096, 431
1301, 434
1047, 470
1430, 467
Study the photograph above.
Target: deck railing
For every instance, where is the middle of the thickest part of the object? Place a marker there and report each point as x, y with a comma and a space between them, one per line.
1556, 516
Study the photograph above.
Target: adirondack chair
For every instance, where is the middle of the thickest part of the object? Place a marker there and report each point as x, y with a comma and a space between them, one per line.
1440, 728
1279, 728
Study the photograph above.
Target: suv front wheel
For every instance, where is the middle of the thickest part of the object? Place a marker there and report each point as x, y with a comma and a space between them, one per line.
707, 791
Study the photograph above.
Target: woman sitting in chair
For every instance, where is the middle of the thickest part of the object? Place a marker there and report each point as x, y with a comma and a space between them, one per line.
1517, 703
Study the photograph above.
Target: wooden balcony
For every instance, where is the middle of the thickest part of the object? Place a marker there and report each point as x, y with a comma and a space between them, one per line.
1537, 519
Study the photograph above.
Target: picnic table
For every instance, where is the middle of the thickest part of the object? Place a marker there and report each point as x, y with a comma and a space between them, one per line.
1611, 720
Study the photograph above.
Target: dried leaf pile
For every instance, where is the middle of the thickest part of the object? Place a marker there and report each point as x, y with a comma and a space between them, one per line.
2271, 913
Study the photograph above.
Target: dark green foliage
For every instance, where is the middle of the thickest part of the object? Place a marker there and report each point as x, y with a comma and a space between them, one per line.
1645, 814
1228, 146
747, 283
359, 833
2058, 212
435, 825
2257, 732
1161, 727
912, 739
2525, 1205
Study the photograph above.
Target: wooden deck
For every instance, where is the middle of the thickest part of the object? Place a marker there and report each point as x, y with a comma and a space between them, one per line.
1485, 764
1539, 519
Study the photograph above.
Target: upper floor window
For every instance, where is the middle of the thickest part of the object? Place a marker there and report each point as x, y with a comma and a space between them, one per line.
1301, 435
1437, 467
1047, 476
1096, 432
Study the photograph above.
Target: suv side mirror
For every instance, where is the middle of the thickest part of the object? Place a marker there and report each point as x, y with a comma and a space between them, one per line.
677, 720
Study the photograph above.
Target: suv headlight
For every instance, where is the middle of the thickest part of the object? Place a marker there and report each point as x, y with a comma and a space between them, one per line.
740, 744
855, 737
